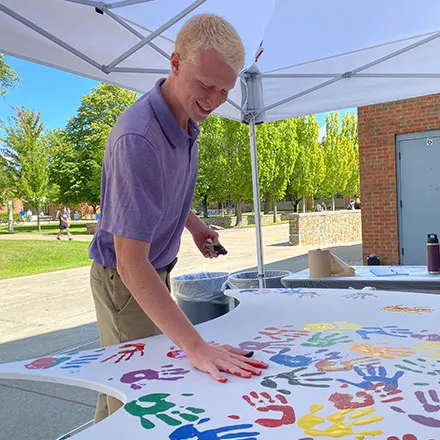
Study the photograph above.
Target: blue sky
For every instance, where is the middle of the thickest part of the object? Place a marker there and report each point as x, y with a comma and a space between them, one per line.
57, 94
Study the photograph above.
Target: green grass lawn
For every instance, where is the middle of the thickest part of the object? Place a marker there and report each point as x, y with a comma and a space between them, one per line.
46, 228
28, 257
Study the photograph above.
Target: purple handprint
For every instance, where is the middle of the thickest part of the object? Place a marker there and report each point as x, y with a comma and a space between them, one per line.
428, 407
167, 372
371, 378
423, 335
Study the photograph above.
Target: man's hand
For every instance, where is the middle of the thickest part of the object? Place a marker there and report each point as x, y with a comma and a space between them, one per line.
214, 359
204, 237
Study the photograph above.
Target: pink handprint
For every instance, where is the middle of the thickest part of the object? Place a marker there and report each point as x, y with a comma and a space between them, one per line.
266, 403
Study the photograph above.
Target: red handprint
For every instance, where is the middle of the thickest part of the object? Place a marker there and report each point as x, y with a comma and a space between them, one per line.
267, 403
127, 354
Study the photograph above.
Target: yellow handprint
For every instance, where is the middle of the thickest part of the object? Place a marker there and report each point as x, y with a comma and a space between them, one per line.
379, 351
338, 325
339, 427
430, 347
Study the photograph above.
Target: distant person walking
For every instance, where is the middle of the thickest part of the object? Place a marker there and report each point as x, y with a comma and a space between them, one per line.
64, 220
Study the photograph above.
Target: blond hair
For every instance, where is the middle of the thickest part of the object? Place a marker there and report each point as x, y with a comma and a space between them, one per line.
205, 32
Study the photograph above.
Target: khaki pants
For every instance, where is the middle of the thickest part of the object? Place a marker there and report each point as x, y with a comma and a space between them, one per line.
120, 319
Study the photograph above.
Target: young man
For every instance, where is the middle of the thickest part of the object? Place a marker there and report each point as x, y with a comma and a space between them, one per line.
64, 220
148, 179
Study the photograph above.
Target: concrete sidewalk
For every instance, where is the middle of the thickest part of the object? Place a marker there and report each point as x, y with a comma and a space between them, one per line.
47, 313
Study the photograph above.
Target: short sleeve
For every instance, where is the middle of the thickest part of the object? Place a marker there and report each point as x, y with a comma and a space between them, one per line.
132, 189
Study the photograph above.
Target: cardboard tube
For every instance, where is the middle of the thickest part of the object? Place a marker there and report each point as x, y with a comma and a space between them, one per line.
319, 263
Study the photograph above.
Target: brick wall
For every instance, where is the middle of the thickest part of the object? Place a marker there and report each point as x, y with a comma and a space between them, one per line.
378, 126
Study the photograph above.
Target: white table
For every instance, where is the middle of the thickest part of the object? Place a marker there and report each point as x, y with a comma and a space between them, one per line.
342, 364
417, 280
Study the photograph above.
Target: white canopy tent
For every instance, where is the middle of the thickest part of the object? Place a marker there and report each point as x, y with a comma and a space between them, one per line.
312, 56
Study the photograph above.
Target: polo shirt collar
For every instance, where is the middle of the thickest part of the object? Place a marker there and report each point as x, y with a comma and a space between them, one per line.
168, 122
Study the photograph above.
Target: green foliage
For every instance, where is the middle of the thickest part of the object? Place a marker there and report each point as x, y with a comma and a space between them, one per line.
309, 169
78, 163
277, 153
8, 77
210, 179
350, 144
25, 155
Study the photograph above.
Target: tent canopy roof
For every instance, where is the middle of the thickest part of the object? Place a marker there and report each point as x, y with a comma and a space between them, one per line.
317, 56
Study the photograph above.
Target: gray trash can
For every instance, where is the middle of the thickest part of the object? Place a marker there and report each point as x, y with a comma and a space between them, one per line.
249, 280
200, 297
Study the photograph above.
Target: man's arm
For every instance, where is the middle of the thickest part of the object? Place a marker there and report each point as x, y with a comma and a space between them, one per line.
141, 279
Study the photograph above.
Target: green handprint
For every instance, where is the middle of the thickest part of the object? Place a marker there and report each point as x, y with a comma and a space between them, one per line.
339, 427
317, 340
157, 405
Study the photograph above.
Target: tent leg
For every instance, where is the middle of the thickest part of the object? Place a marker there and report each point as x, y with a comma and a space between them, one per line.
256, 192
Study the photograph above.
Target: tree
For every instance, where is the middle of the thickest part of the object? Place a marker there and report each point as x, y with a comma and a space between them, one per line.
238, 174
336, 164
26, 156
350, 144
211, 173
309, 170
8, 77
277, 152
87, 134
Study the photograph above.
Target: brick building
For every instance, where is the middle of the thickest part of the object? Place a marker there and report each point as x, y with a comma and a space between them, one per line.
380, 127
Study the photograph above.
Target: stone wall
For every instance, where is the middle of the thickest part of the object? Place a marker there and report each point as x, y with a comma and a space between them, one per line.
224, 222
325, 227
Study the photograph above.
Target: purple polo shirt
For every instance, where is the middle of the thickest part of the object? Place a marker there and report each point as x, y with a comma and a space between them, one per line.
148, 177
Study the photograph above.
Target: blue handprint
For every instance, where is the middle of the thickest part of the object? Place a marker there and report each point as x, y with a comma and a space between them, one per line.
301, 360
371, 378
190, 432
389, 330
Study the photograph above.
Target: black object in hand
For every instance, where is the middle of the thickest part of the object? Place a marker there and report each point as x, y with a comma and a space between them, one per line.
219, 249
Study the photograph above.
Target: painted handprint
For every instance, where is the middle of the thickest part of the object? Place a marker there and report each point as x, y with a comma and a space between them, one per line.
309, 295
430, 337
294, 378
128, 352
371, 377
348, 401
433, 348
381, 351
385, 394
266, 347
78, 362
431, 406
282, 358
278, 405
46, 362
284, 333
166, 372
331, 365
155, 406
343, 422
420, 366
404, 437
388, 330
337, 325
359, 295
318, 340
401, 309
177, 353
190, 432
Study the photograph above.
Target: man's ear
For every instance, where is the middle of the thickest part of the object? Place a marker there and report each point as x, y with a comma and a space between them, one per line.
176, 63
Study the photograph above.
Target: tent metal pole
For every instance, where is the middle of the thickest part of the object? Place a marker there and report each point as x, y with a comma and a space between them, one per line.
127, 26
256, 191
354, 75
122, 3
154, 34
49, 36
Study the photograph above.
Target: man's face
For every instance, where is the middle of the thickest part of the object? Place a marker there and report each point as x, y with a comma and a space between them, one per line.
203, 86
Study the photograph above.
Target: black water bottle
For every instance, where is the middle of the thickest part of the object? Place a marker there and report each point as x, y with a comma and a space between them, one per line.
433, 254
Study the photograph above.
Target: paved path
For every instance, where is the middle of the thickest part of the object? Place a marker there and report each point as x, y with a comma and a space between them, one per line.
47, 313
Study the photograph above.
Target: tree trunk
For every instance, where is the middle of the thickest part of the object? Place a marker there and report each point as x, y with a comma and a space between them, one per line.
267, 204
333, 202
275, 211
205, 206
239, 212
304, 205
38, 219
